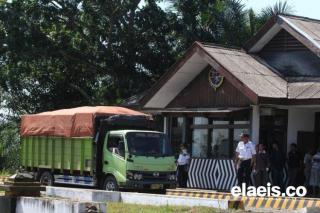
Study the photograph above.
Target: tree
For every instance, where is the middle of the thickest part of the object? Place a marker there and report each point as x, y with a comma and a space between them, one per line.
234, 21
257, 20
9, 146
214, 21
281, 7
57, 54
253, 22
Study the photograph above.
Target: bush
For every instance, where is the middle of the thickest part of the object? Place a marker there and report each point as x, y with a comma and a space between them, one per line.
9, 146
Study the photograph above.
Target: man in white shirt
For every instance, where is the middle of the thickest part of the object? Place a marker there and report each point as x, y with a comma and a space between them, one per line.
245, 159
183, 166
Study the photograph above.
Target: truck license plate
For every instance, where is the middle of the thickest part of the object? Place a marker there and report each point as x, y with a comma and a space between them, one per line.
156, 186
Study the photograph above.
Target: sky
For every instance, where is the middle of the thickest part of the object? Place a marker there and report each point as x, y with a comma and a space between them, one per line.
307, 8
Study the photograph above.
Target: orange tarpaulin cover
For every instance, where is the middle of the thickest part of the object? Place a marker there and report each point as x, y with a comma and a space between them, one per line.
75, 122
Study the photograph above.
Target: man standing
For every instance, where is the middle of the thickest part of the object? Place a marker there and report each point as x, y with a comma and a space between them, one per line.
262, 166
277, 165
294, 165
183, 166
245, 159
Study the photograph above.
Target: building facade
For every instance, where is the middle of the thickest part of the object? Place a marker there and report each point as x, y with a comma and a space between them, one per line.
270, 88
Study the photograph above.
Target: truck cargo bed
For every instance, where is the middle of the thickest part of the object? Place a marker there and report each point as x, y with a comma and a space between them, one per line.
58, 153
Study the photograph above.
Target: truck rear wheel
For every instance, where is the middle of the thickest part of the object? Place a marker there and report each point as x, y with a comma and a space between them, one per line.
110, 184
46, 179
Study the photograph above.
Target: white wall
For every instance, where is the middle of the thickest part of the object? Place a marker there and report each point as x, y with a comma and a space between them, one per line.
299, 119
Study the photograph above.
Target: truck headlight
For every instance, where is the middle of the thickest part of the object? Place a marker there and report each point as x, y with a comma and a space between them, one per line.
137, 176
172, 176
130, 175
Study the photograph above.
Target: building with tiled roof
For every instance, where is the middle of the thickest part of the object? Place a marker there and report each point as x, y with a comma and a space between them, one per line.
269, 88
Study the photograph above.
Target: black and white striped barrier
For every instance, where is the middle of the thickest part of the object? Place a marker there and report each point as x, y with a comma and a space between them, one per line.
212, 174
215, 174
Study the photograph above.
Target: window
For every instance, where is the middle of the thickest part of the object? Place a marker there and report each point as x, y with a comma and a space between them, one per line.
115, 145
148, 144
177, 132
220, 143
200, 138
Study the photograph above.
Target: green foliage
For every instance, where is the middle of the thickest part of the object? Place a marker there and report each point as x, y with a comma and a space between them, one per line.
58, 54
257, 20
280, 7
252, 21
9, 146
214, 21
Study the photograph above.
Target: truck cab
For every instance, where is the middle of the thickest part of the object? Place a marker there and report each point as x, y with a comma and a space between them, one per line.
138, 159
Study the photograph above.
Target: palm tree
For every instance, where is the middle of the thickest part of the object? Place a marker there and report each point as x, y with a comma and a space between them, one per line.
281, 7
214, 21
255, 21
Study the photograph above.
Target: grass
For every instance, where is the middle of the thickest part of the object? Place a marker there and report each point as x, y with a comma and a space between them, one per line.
5, 173
133, 208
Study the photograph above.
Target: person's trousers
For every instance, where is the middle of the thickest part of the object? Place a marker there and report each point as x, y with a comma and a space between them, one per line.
261, 178
277, 178
244, 172
182, 176
292, 176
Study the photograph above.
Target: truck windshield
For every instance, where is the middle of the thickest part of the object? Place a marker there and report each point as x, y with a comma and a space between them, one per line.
148, 144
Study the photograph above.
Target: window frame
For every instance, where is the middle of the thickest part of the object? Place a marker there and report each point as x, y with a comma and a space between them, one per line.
122, 138
210, 128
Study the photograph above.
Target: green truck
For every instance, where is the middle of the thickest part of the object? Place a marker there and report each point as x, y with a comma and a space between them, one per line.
123, 152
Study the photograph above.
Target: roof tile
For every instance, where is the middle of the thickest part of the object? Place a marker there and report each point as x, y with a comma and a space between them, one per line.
256, 75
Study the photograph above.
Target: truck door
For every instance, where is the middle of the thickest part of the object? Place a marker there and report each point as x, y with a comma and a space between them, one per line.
114, 157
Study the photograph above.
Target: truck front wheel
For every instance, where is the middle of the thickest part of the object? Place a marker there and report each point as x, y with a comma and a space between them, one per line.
46, 179
110, 184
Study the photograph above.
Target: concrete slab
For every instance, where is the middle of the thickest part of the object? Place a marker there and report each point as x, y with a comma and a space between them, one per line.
83, 194
157, 200
7, 204
308, 210
51, 205
134, 198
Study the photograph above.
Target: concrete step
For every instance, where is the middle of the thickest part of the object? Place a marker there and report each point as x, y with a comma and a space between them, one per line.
284, 203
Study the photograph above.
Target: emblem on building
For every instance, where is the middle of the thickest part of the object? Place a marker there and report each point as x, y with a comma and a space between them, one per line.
215, 79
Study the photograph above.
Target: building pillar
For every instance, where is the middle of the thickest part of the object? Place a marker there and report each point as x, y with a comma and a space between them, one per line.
166, 125
255, 124
184, 129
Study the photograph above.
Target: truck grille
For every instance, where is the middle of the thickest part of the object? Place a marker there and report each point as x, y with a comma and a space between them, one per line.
155, 175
